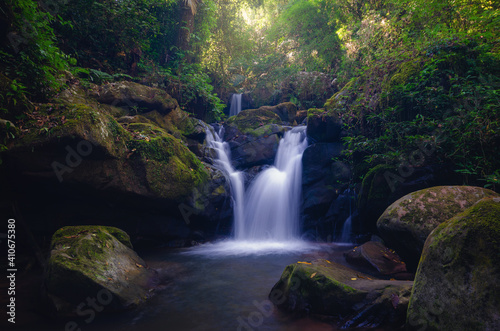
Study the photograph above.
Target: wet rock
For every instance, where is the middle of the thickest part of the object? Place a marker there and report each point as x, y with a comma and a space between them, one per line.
116, 160
456, 285
323, 126
95, 262
377, 258
406, 223
383, 185
286, 111
253, 136
355, 299
323, 179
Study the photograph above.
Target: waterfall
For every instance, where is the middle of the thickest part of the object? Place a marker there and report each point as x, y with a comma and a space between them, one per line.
345, 236
273, 200
223, 162
235, 105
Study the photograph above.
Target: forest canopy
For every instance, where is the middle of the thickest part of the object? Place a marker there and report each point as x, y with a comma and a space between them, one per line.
404, 67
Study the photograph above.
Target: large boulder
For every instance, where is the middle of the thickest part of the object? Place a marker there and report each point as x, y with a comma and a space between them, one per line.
383, 185
253, 136
286, 111
323, 126
137, 97
115, 160
328, 288
323, 179
456, 285
406, 223
95, 262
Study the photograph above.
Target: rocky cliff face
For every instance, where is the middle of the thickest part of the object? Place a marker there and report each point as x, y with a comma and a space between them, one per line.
118, 154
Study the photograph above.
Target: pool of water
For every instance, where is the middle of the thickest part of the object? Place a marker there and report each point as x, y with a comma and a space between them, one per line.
220, 286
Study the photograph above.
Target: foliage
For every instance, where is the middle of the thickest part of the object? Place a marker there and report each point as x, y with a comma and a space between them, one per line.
422, 76
31, 62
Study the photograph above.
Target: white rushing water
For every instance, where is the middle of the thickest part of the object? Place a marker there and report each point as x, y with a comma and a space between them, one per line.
236, 178
235, 105
273, 200
266, 216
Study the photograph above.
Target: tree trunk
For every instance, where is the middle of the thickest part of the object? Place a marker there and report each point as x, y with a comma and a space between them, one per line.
187, 27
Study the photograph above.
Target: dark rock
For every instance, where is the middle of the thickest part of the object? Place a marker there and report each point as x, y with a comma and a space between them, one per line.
136, 96
456, 285
286, 111
115, 166
253, 136
327, 288
375, 256
383, 185
406, 223
323, 126
301, 116
95, 262
323, 179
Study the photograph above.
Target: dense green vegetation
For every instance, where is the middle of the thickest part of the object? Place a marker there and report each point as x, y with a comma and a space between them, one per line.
403, 74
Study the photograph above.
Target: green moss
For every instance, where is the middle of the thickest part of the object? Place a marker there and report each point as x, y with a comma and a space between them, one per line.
403, 74
314, 112
250, 119
263, 131
374, 189
66, 235
146, 128
338, 99
459, 267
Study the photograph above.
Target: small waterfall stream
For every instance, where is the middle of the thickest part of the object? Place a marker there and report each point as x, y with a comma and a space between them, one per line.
235, 105
223, 162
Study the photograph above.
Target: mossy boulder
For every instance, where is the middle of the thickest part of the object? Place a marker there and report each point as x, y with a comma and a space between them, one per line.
406, 223
250, 119
95, 262
456, 285
136, 96
331, 289
323, 126
286, 111
253, 136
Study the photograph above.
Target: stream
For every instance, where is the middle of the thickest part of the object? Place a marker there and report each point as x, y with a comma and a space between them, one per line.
222, 286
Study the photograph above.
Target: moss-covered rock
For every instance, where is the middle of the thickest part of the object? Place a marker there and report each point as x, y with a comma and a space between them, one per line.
95, 262
323, 126
136, 96
374, 195
286, 111
253, 136
406, 223
456, 285
328, 288
250, 119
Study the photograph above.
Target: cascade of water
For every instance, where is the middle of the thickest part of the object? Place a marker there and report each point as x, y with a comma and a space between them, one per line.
273, 199
235, 105
223, 162
345, 237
